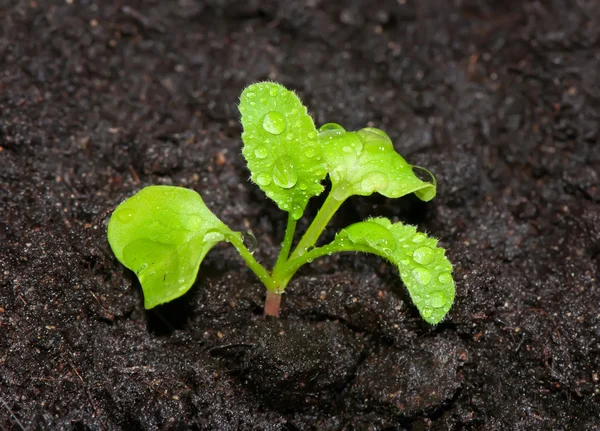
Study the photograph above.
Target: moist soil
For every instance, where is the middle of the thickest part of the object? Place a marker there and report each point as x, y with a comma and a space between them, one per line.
501, 100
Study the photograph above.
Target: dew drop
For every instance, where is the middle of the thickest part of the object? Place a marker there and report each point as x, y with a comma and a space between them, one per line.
438, 299
250, 95
273, 91
302, 185
297, 212
310, 152
125, 215
422, 275
312, 135
249, 241
263, 179
261, 152
274, 122
142, 268
427, 312
213, 237
347, 149
424, 174
331, 126
374, 181
423, 255
181, 281
418, 238
284, 173
445, 278
330, 131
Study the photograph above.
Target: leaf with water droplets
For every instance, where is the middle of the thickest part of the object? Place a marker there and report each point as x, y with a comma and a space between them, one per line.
162, 233
364, 162
281, 146
423, 266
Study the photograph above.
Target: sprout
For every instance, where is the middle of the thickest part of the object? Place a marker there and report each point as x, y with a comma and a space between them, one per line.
162, 233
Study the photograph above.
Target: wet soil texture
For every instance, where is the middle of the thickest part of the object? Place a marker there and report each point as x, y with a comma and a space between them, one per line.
501, 100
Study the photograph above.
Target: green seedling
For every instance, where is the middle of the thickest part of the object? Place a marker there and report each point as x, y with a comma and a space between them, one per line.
162, 233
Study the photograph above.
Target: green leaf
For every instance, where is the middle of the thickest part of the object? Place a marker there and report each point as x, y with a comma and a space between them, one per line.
281, 146
423, 266
162, 233
364, 162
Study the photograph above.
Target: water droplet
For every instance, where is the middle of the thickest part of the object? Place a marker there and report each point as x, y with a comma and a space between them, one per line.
274, 91
284, 173
284, 206
445, 278
424, 175
302, 185
347, 149
330, 131
375, 131
141, 268
312, 135
181, 281
375, 181
331, 126
263, 179
297, 212
261, 152
250, 95
418, 238
423, 255
249, 241
438, 299
427, 312
310, 152
213, 236
274, 122
319, 172
125, 215
422, 275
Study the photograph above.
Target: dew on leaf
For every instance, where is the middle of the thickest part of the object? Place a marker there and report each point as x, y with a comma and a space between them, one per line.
310, 152
142, 268
424, 174
297, 212
445, 278
261, 152
213, 236
263, 179
427, 313
423, 255
302, 185
422, 275
274, 122
285, 174
418, 238
125, 215
438, 299
249, 241
374, 181
331, 126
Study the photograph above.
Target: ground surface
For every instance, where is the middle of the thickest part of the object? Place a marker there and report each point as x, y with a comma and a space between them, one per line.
501, 100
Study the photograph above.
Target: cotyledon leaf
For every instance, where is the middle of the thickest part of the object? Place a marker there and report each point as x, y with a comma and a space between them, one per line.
423, 266
364, 162
281, 146
162, 233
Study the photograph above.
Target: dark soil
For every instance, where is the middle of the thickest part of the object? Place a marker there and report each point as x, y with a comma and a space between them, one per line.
500, 99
